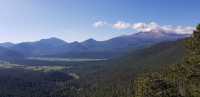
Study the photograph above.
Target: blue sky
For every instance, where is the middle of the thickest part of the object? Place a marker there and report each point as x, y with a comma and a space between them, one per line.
73, 20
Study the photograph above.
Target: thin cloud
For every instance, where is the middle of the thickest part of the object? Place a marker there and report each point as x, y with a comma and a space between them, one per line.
154, 27
121, 25
98, 24
146, 27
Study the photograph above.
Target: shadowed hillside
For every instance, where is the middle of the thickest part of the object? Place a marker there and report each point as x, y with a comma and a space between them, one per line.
116, 77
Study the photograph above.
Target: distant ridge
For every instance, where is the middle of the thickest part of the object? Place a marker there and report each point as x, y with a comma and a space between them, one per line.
7, 44
92, 48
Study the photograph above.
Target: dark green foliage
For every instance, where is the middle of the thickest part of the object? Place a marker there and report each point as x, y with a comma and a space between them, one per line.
26, 83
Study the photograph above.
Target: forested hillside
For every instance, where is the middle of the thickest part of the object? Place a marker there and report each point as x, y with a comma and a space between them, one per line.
116, 77
179, 80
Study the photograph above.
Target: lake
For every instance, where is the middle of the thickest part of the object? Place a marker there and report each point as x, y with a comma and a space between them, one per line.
65, 59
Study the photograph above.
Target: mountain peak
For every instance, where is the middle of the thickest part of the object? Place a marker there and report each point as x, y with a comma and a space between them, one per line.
90, 40
152, 33
53, 40
159, 35
75, 42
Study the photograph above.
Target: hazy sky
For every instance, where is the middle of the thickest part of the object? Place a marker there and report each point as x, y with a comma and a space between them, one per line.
77, 20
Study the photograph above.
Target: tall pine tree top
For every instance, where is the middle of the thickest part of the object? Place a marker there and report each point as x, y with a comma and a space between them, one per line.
198, 27
196, 40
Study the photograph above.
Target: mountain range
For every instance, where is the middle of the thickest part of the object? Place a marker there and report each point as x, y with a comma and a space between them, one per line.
54, 47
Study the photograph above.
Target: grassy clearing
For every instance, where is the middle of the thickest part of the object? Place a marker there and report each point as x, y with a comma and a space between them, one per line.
8, 65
